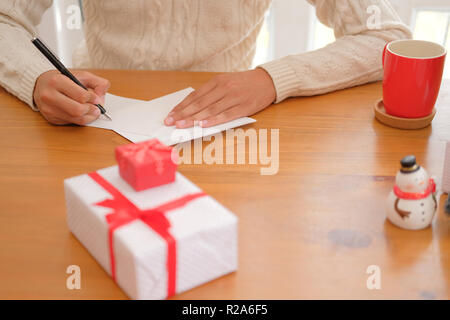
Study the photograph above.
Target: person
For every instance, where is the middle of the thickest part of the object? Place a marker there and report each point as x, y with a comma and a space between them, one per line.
194, 35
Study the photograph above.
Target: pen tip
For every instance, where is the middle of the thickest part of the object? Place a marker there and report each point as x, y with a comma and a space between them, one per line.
107, 116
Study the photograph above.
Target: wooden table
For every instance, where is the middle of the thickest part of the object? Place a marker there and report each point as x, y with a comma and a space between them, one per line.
310, 231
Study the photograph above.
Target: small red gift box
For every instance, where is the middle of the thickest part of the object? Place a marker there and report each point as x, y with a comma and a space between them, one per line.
146, 165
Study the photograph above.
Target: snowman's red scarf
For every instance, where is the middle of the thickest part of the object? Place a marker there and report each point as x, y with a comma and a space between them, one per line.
431, 188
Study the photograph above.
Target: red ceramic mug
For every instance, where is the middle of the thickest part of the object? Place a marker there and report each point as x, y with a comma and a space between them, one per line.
412, 77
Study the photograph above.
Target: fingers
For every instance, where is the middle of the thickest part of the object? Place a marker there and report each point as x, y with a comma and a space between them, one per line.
92, 115
62, 119
61, 101
212, 110
75, 92
62, 110
191, 102
207, 87
228, 115
98, 84
197, 106
72, 99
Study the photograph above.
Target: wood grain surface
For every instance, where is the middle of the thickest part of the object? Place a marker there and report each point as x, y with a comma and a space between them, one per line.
310, 231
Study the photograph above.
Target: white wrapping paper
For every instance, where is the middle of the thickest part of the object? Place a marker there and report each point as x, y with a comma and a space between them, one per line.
205, 233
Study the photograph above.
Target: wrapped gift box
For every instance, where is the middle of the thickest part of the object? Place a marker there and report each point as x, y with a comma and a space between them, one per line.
147, 164
156, 242
446, 171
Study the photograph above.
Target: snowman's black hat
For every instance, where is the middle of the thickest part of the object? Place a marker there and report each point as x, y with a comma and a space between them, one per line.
409, 164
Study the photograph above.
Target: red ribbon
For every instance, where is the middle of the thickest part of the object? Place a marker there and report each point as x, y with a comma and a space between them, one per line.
125, 212
431, 188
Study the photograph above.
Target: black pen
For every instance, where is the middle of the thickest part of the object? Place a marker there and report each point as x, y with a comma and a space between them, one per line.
61, 68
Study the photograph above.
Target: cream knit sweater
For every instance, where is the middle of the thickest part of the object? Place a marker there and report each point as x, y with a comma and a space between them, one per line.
201, 35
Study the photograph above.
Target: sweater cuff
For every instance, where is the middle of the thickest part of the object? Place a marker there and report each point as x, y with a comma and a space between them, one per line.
28, 81
283, 77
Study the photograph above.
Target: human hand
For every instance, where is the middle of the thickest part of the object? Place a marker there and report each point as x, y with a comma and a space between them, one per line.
61, 101
224, 98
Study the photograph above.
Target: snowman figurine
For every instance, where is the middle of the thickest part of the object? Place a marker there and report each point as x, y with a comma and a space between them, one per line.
412, 202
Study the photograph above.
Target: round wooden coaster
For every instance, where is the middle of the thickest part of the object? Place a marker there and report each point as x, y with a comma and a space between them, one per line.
401, 123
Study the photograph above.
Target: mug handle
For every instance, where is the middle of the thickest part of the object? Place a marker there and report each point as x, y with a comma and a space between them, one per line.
384, 52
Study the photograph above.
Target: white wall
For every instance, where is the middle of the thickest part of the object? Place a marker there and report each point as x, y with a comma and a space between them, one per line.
292, 24
406, 8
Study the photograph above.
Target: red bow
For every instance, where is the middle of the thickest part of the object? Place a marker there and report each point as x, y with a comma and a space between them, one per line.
431, 188
125, 212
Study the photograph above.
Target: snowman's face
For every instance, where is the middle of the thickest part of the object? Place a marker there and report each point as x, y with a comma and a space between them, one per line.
412, 182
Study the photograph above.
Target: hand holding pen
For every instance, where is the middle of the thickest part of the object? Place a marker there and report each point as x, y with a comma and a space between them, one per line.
61, 100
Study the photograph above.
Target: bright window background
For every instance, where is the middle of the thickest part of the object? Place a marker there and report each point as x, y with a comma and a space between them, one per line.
428, 19
322, 35
286, 30
263, 43
434, 26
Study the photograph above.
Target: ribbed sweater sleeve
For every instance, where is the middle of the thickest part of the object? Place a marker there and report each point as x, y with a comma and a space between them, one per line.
20, 62
362, 28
